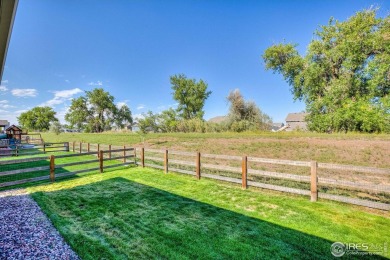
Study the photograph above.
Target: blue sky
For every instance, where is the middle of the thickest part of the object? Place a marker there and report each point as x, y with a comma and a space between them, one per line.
130, 48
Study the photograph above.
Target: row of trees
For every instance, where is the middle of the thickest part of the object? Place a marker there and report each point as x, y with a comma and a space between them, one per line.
188, 117
96, 112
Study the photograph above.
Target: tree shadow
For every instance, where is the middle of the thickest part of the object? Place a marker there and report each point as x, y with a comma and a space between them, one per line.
121, 219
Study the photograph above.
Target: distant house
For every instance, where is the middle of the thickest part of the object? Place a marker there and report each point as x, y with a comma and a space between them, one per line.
133, 127
276, 126
4, 124
296, 121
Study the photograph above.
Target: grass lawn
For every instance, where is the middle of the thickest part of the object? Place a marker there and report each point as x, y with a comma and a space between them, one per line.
143, 213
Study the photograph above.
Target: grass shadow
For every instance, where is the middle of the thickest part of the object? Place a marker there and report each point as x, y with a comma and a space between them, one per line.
121, 219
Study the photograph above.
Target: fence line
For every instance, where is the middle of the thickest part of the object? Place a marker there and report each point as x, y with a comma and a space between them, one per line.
53, 166
200, 170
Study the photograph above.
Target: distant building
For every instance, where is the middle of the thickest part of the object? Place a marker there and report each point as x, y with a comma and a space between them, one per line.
133, 127
296, 121
276, 126
4, 124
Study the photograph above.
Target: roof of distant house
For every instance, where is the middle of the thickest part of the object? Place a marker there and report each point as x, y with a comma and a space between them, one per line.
296, 117
4, 123
218, 119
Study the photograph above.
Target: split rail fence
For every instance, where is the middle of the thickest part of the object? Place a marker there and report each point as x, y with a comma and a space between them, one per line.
20, 171
33, 149
364, 186
305, 182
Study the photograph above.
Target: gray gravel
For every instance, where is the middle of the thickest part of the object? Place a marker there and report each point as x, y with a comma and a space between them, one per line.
26, 232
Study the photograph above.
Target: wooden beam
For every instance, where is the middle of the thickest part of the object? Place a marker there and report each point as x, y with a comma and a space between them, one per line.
244, 167
143, 157
313, 181
166, 161
197, 162
101, 161
52, 168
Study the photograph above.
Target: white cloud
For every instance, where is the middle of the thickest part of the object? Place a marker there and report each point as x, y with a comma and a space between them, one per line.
24, 92
61, 96
4, 104
121, 103
140, 106
4, 111
21, 111
61, 114
67, 81
138, 116
97, 83
3, 88
163, 107
4, 81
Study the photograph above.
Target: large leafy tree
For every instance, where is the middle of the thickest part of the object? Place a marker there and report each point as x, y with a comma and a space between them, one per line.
96, 112
344, 78
245, 115
191, 96
123, 116
38, 118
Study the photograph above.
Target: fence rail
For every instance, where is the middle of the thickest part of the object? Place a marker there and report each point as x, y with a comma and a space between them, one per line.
49, 171
199, 170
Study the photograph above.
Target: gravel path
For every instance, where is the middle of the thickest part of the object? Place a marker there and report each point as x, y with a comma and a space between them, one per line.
26, 232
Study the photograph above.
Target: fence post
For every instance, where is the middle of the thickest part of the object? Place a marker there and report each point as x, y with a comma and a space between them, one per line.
44, 147
98, 150
124, 154
66, 146
244, 166
166, 161
109, 148
197, 163
81, 147
143, 157
313, 181
88, 147
73, 145
101, 160
135, 156
52, 168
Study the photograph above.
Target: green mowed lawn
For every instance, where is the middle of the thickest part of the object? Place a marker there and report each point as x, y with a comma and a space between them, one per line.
143, 213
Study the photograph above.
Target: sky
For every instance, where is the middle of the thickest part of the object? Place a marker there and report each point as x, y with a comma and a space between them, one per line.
59, 49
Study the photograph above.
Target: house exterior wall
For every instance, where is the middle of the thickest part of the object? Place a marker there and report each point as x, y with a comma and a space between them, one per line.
296, 125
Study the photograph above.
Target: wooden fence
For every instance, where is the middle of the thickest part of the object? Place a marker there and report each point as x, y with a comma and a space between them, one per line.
199, 169
48, 171
31, 149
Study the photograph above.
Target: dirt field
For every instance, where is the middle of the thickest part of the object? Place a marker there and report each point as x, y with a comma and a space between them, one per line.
363, 150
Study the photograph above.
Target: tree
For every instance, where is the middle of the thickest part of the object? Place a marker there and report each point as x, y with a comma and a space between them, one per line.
96, 112
55, 127
123, 116
78, 114
344, 78
245, 115
191, 96
168, 120
149, 123
38, 118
